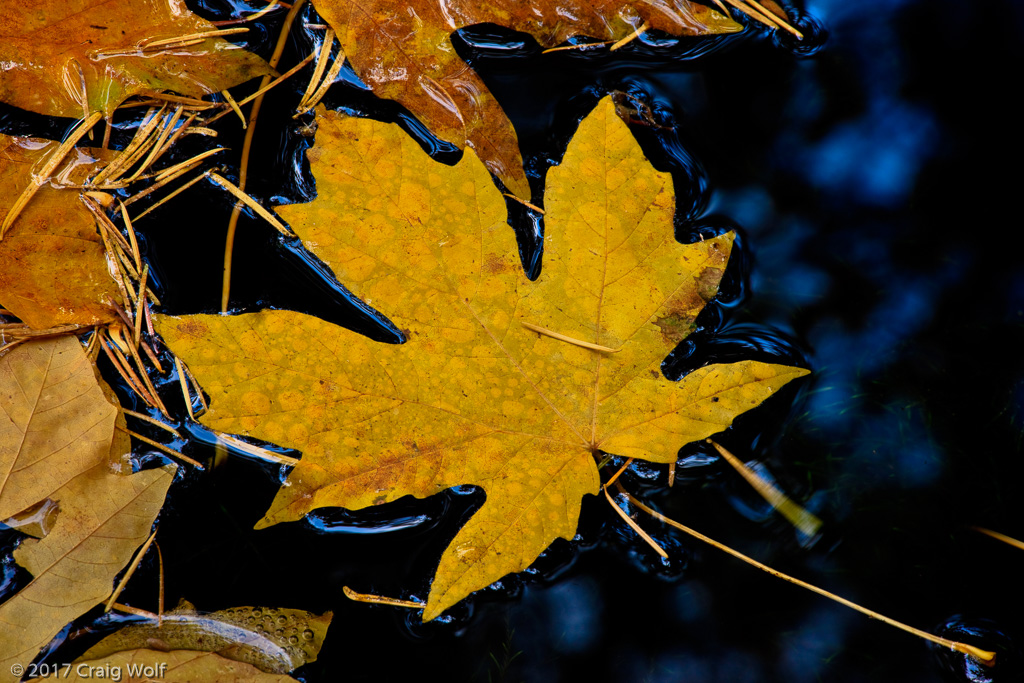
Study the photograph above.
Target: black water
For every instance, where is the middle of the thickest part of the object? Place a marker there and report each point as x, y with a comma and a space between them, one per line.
873, 187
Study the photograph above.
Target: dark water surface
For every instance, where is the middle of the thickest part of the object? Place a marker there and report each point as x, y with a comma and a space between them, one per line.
874, 186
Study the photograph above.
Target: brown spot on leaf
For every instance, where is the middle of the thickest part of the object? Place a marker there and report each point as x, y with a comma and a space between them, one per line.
708, 281
675, 325
193, 329
495, 266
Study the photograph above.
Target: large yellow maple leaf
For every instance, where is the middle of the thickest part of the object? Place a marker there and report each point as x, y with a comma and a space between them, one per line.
403, 51
475, 396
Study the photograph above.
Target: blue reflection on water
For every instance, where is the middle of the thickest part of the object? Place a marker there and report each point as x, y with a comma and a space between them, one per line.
575, 615
873, 159
815, 641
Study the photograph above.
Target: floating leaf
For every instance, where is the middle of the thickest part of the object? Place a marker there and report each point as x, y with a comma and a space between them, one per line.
57, 443
271, 639
55, 421
475, 396
177, 666
73, 57
52, 267
403, 52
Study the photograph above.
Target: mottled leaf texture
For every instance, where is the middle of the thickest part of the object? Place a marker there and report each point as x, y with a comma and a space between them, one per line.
176, 666
474, 396
52, 267
57, 443
66, 57
271, 639
403, 52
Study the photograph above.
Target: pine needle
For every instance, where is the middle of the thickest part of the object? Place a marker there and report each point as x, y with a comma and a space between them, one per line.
251, 203
234, 107
243, 173
379, 600
145, 137
136, 255
325, 85
630, 38
618, 473
160, 595
279, 80
524, 202
43, 176
131, 570
159, 144
633, 525
190, 38
1000, 537
255, 451
570, 340
320, 68
166, 449
186, 165
758, 13
806, 522
184, 388
984, 656
121, 365
152, 421
128, 609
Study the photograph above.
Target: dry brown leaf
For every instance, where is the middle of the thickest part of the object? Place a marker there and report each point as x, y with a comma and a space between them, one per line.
177, 666
403, 52
55, 421
104, 517
69, 57
58, 444
52, 267
271, 639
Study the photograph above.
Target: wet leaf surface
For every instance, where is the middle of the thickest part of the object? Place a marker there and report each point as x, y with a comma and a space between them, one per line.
475, 396
74, 57
270, 639
404, 53
52, 267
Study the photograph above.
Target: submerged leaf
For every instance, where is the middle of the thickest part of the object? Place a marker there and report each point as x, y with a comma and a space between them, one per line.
73, 57
271, 639
475, 396
403, 51
177, 666
52, 267
58, 443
